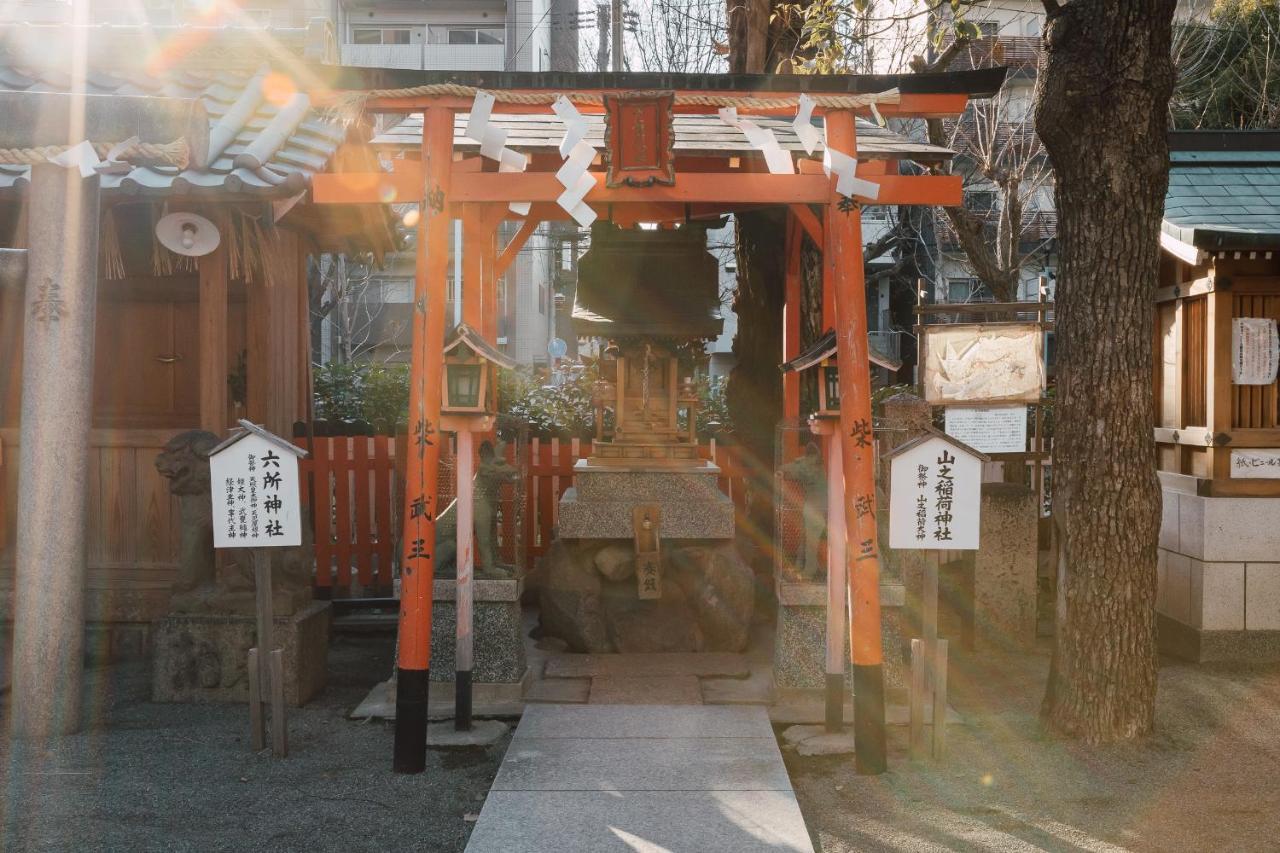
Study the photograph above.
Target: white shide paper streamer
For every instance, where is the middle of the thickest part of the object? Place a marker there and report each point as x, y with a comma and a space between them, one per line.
574, 175
79, 156
763, 140
493, 143
845, 169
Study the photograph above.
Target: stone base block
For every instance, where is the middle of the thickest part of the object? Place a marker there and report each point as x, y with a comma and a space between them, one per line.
497, 639
711, 518
204, 658
1202, 646
800, 641
643, 485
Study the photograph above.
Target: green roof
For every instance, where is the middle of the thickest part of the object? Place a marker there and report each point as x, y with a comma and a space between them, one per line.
1224, 199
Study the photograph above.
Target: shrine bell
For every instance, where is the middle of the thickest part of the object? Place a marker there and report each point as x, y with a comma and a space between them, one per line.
470, 380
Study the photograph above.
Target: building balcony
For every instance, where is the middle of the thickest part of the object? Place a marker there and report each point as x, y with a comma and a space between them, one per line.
429, 57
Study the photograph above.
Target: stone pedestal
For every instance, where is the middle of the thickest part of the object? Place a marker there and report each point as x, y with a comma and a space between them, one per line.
1005, 566
1218, 571
600, 503
499, 666
203, 658
800, 641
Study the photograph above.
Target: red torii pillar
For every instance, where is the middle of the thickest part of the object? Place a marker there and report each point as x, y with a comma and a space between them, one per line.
856, 442
417, 572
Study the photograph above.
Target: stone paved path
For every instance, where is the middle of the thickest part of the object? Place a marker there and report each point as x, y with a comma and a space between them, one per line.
641, 779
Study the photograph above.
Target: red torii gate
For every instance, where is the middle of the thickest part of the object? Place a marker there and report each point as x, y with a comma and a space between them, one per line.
472, 189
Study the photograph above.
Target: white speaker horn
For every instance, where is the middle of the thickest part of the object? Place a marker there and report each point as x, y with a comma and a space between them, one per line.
187, 234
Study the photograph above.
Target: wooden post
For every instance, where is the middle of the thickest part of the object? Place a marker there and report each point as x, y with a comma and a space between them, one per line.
857, 440
929, 609
257, 720
837, 597
915, 718
939, 674
279, 724
464, 590
213, 339
473, 263
791, 337
418, 544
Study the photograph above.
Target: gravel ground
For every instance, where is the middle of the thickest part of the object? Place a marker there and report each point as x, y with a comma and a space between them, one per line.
146, 776
1206, 780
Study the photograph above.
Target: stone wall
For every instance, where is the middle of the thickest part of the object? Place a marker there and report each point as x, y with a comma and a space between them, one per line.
1218, 572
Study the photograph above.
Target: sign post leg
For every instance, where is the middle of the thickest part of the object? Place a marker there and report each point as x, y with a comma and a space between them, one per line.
257, 720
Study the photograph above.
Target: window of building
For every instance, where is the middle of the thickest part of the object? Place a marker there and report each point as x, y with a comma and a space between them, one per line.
382, 35
980, 201
967, 290
462, 34
987, 29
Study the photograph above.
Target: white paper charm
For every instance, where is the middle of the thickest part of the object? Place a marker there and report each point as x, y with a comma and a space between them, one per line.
803, 125
845, 169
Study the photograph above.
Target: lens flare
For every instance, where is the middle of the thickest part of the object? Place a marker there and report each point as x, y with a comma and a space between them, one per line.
278, 88
410, 219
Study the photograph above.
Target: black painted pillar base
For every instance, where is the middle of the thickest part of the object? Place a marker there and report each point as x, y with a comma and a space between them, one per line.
835, 702
409, 754
462, 701
868, 719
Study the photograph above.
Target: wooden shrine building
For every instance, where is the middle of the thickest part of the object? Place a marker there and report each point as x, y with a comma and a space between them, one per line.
1217, 400
182, 342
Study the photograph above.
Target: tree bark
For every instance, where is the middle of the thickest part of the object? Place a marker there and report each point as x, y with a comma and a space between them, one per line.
1101, 102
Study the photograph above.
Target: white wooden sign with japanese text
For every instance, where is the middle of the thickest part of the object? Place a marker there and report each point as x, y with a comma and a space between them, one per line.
255, 494
935, 497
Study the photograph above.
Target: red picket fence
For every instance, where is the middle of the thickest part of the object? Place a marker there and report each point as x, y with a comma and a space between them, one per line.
350, 481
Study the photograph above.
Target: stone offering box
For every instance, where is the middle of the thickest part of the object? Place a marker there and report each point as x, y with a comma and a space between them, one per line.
202, 657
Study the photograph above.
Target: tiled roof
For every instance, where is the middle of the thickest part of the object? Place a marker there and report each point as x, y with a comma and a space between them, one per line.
266, 140
695, 134
1224, 200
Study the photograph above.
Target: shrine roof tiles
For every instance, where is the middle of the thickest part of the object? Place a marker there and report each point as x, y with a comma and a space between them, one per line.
695, 135
1224, 189
305, 150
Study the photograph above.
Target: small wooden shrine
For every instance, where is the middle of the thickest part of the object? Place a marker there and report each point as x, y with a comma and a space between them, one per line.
653, 294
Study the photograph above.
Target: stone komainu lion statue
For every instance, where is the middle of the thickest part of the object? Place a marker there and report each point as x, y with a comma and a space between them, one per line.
200, 587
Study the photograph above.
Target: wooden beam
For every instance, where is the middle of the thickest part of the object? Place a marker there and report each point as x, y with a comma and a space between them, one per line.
214, 273
806, 219
405, 185
909, 106
473, 235
508, 256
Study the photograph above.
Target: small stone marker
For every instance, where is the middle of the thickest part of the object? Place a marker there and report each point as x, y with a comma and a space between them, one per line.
647, 520
935, 498
256, 505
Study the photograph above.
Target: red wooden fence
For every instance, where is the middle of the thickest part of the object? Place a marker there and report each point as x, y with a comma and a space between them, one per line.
357, 506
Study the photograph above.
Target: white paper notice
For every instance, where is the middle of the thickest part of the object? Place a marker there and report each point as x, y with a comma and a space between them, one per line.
990, 429
1255, 351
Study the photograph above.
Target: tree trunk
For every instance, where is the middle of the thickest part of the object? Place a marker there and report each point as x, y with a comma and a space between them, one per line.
754, 393
1101, 103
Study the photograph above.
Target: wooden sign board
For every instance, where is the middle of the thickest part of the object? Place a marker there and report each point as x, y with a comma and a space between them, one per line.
647, 522
935, 494
976, 363
640, 139
255, 491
